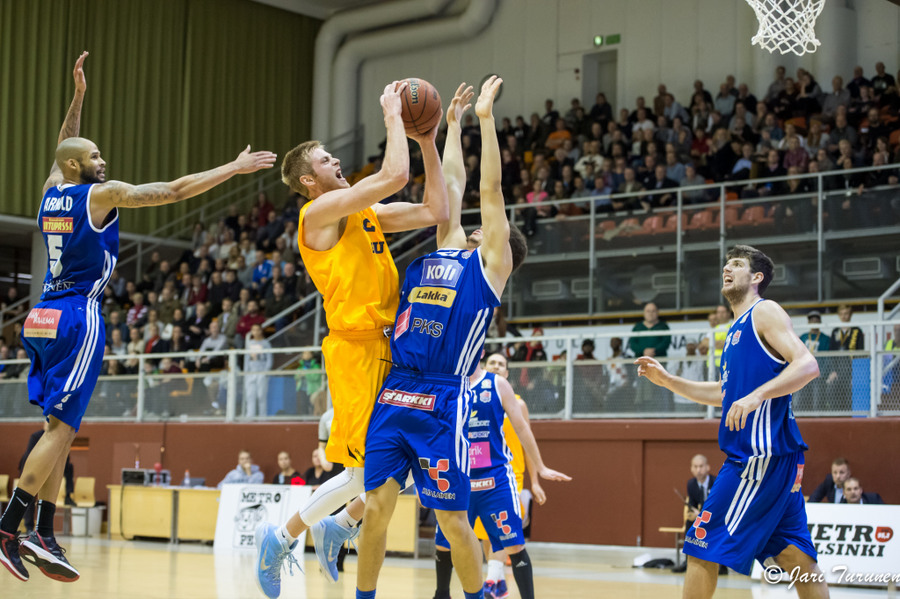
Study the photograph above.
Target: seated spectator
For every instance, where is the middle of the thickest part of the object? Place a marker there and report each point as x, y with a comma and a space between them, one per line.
659, 181
197, 327
853, 493
321, 470
691, 179
839, 96
137, 315
246, 472
629, 185
795, 156
882, 82
287, 475
831, 490
115, 323
216, 342
559, 134
698, 487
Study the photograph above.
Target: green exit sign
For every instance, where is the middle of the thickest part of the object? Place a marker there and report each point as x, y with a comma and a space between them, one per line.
613, 39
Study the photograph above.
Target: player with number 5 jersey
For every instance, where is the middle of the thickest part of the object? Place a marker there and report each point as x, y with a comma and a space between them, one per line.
64, 333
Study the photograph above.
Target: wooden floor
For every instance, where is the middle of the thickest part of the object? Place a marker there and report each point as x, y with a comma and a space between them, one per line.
136, 570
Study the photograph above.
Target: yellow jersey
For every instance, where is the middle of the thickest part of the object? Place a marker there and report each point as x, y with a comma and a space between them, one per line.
357, 277
515, 447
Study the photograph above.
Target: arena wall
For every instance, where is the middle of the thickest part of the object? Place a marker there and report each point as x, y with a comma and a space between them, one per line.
624, 470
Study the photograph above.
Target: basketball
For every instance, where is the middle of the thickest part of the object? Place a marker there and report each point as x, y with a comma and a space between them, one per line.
421, 106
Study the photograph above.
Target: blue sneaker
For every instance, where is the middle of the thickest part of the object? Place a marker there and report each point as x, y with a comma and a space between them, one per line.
328, 536
488, 589
500, 590
271, 553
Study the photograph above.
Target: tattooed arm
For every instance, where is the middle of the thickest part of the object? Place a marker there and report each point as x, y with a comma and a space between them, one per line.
72, 124
117, 194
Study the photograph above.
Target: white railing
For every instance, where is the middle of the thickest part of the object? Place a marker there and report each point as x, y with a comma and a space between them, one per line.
563, 388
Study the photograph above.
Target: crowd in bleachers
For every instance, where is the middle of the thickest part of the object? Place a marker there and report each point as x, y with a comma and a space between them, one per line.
735, 136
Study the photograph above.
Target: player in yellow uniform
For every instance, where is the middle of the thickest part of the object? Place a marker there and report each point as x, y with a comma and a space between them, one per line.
341, 235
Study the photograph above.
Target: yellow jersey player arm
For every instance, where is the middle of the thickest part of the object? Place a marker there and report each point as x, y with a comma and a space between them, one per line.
775, 330
495, 227
406, 216
331, 207
72, 123
451, 234
514, 413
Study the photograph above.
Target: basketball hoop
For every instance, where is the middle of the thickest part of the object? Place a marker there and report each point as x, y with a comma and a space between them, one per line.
787, 25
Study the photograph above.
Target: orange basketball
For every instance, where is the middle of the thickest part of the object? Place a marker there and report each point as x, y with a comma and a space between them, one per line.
421, 106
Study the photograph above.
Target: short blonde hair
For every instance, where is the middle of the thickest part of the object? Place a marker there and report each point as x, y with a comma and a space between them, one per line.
296, 164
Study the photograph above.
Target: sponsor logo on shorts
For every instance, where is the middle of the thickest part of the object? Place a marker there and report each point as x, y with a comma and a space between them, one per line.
440, 271
798, 480
483, 484
500, 521
698, 543
435, 296
42, 322
438, 495
57, 224
702, 519
417, 401
434, 472
402, 323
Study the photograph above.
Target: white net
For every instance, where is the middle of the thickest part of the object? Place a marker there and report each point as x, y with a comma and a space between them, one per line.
787, 25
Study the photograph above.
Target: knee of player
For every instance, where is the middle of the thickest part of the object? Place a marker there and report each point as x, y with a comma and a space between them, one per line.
58, 432
455, 526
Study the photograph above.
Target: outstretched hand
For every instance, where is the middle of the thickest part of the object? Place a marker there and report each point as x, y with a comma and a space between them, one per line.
78, 73
485, 105
652, 369
250, 162
390, 98
551, 474
460, 103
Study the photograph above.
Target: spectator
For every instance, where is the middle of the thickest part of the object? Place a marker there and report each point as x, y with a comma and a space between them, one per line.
321, 470
228, 319
135, 346
286, 473
559, 134
853, 492
831, 490
198, 327
657, 182
882, 82
216, 292
746, 98
845, 337
256, 385
691, 179
812, 396
246, 472
724, 102
776, 87
841, 131
117, 344
601, 110
216, 342
262, 270
673, 110
137, 315
648, 395
839, 96
858, 82
115, 323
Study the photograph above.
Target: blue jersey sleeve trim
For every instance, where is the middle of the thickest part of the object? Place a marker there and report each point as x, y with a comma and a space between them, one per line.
484, 275
759, 339
87, 207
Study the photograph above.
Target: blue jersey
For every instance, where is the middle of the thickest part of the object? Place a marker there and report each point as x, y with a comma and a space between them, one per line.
771, 430
80, 257
487, 444
445, 308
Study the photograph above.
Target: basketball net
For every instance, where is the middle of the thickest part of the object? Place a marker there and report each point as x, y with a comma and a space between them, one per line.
787, 25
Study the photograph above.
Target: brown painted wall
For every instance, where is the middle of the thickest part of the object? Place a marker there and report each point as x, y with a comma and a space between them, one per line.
624, 470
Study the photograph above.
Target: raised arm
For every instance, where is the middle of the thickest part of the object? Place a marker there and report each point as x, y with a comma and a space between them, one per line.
709, 394
72, 123
116, 194
520, 425
495, 228
451, 234
776, 331
392, 177
434, 210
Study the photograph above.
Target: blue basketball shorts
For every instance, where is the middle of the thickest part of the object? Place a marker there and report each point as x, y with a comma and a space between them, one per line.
65, 339
420, 423
755, 509
495, 500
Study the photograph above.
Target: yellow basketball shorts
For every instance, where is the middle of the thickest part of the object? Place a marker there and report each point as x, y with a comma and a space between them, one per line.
356, 363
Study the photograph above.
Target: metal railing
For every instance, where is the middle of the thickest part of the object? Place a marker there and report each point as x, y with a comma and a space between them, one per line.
224, 386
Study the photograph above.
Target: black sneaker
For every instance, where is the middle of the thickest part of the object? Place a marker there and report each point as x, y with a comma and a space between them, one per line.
9, 555
46, 554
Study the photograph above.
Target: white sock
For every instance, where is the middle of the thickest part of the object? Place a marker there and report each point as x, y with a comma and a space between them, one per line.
345, 519
495, 570
285, 536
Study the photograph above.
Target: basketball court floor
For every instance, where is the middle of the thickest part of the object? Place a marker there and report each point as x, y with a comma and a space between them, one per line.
138, 570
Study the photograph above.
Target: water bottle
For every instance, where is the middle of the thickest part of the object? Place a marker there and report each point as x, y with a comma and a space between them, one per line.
187, 479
